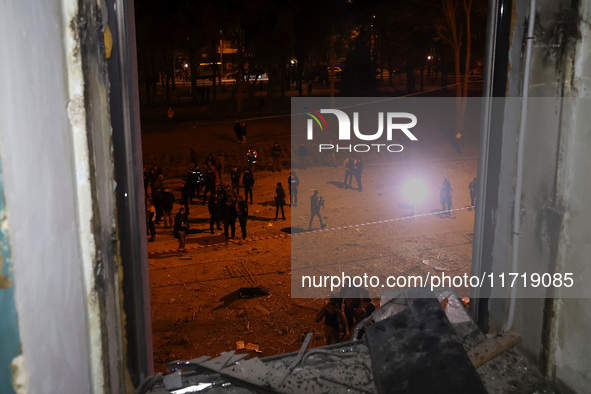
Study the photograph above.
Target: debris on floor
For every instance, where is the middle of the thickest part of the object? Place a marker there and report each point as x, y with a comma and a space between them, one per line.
411, 344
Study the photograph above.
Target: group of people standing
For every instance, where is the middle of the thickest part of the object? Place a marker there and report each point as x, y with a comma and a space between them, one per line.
226, 206
342, 313
353, 168
159, 200
446, 193
159, 205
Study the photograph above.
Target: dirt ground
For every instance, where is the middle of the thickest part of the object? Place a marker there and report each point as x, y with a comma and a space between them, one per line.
188, 318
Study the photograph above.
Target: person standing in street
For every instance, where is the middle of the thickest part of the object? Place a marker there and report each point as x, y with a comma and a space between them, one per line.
293, 183
335, 325
357, 171
302, 156
235, 179
473, 188
275, 155
242, 208
158, 196
181, 227
333, 157
220, 168
252, 157
214, 207
445, 194
349, 166
170, 115
279, 200
248, 183
210, 161
210, 183
230, 215
315, 204
243, 132
167, 205
238, 132
150, 218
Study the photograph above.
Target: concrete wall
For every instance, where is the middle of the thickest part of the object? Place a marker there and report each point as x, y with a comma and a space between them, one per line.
570, 352
56, 156
41, 198
555, 213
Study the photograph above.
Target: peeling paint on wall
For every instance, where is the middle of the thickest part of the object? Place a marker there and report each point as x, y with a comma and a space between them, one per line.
9, 334
20, 375
5, 281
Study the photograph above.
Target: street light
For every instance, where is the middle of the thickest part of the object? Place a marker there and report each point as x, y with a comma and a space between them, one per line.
414, 191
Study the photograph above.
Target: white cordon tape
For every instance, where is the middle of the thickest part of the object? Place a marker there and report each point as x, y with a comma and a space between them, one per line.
323, 230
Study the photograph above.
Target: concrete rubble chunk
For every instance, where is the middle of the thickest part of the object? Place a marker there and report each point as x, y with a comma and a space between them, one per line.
417, 349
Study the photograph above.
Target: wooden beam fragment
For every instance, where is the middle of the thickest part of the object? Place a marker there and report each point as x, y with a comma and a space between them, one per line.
486, 351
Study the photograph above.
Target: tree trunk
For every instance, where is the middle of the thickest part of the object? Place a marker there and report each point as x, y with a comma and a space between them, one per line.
449, 9
167, 89
282, 84
422, 77
193, 61
300, 77
148, 89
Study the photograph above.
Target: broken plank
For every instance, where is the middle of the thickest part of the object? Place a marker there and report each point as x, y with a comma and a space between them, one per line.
248, 272
305, 307
486, 351
229, 271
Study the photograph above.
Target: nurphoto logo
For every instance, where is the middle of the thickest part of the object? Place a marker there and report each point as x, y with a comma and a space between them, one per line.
394, 122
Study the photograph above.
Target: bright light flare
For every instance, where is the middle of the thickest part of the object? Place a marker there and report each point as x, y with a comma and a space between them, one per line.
414, 190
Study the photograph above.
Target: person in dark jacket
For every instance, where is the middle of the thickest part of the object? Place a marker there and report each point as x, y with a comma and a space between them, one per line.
158, 197
238, 131
335, 325
243, 132
230, 216
275, 155
195, 176
445, 194
235, 179
349, 166
279, 200
210, 179
252, 156
242, 208
293, 183
215, 212
210, 161
357, 171
147, 176
181, 227
248, 182
167, 205
220, 168
473, 187
150, 217
315, 204
302, 156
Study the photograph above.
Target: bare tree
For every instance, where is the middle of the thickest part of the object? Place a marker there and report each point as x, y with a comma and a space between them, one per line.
453, 33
